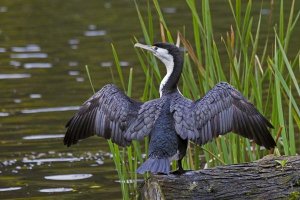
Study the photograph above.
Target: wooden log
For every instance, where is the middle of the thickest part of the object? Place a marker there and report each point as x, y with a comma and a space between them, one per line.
268, 178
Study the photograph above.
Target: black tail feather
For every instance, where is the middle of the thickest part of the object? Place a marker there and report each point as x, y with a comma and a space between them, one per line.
155, 166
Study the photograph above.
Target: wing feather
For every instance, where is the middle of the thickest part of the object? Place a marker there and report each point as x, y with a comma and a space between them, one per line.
146, 118
108, 113
223, 109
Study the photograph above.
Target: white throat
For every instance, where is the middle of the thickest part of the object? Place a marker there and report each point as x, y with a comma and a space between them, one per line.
168, 60
170, 67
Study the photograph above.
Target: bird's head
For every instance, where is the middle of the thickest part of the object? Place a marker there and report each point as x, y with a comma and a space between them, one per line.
171, 56
168, 53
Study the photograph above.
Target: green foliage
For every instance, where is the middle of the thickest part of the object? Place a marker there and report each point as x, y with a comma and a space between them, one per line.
266, 79
282, 163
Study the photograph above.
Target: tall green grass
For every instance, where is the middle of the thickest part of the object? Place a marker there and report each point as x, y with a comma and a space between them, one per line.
266, 76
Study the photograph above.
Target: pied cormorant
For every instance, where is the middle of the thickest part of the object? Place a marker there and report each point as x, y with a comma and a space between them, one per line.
171, 120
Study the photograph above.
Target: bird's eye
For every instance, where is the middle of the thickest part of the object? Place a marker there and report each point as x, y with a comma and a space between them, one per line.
155, 48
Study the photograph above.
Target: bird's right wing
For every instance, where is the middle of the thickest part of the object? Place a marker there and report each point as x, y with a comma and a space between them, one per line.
108, 113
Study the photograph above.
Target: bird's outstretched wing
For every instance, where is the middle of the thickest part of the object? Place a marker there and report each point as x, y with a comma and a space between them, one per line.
108, 113
223, 109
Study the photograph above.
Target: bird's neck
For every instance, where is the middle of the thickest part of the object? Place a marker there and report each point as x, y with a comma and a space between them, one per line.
170, 81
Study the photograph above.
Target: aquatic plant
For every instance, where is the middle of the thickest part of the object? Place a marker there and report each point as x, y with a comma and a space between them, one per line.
265, 75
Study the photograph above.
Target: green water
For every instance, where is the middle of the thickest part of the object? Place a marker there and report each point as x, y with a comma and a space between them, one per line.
44, 46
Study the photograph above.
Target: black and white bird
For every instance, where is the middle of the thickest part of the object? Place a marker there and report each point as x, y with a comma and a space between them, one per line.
169, 121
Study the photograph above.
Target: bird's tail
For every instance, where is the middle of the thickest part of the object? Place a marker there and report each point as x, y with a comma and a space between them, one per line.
155, 166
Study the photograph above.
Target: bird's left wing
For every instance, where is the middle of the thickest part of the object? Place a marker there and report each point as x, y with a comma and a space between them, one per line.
223, 109
108, 113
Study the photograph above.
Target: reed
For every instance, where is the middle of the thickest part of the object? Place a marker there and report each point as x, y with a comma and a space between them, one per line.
266, 77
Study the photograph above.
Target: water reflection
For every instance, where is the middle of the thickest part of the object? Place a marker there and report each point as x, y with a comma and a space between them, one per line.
79, 79
17, 101
2, 50
46, 160
4, 114
265, 11
15, 63
73, 73
73, 63
68, 177
169, 10
106, 64
3, 9
9, 189
53, 190
95, 33
56, 109
29, 55
14, 76
124, 63
35, 96
73, 42
28, 48
42, 137
37, 65
110, 64
9, 162
45, 38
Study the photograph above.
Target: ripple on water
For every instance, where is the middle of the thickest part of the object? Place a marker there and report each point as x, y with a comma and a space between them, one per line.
109, 64
95, 33
106, 64
73, 73
35, 96
79, 79
73, 41
67, 177
53, 190
4, 114
27, 48
9, 189
124, 63
15, 63
29, 55
265, 11
169, 10
17, 100
55, 109
37, 65
3, 9
42, 137
92, 27
44, 160
73, 63
14, 76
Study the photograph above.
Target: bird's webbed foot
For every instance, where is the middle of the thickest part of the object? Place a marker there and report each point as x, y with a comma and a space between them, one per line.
179, 172
180, 169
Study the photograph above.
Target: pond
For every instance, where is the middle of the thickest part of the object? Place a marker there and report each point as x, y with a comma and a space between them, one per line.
44, 47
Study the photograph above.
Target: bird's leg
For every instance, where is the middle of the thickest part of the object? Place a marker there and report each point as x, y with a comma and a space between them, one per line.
180, 170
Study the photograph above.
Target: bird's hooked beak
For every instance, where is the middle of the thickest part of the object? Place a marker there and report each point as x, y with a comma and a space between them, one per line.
146, 47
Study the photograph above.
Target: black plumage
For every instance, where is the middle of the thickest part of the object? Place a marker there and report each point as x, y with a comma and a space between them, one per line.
169, 121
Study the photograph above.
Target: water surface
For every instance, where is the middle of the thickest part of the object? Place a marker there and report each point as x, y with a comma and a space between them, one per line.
44, 46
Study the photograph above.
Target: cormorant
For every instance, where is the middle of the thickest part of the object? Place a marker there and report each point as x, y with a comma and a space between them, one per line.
169, 121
